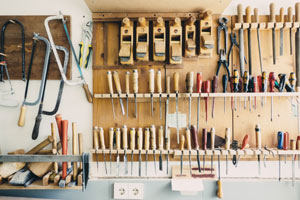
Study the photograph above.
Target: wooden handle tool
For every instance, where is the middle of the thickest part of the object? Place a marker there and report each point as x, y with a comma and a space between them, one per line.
101, 136
124, 137
146, 139
248, 14
58, 119
272, 12
110, 83
118, 139
54, 146
281, 15
117, 82
153, 137
240, 13
151, 81
75, 149
64, 126
87, 92
182, 142
176, 82
204, 139
111, 138
95, 138
256, 17
168, 85
245, 142
227, 138
158, 81
161, 138
140, 139
21, 121
132, 138
127, 78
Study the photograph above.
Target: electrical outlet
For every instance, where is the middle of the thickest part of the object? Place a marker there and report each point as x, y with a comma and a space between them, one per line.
135, 190
121, 191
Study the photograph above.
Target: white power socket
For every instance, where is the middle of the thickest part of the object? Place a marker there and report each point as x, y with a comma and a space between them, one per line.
128, 190
120, 191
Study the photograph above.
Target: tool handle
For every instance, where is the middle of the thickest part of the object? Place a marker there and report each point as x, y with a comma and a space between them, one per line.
132, 138
80, 142
297, 12
286, 141
161, 138
194, 133
135, 76
36, 128
281, 15
127, 76
74, 139
199, 82
227, 138
215, 84
290, 14
21, 121
255, 85
176, 81
204, 139
88, 55
271, 81
88, 93
256, 17
182, 141
111, 138
58, 119
124, 137
188, 139
168, 140
212, 138
158, 81
168, 85
220, 192
54, 143
140, 139
292, 144
279, 140
95, 138
118, 139
272, 12
224, 82
146, 139
151, 80
240, 13
298, 143
292, 80
101, 136
189, 82
153, 137
245, 142
258, 136
117, 82
248, 14
64, 125
110, 85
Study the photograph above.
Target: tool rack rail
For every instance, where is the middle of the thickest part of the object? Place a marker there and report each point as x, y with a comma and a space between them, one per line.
266, 25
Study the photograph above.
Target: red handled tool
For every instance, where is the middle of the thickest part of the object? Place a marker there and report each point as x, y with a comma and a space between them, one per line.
206, 89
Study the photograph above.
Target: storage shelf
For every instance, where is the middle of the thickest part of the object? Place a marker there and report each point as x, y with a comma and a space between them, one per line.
266, 25
37, 185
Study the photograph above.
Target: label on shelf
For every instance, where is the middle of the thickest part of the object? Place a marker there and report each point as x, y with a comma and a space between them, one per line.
181, 120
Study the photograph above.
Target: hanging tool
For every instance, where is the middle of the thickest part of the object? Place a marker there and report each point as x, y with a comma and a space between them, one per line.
182, 141
297, 49
159, 40
273, 20
146, 147
258, 144
285, 144
189, 87
85, 44
189, 146
135, 86
270, 152
167, 143
159, 90
254, 89
153, 144
175, 41
219, 192
244, 144
214, 90
194, 133
167, 107
199, 86
279, 146
292, 81
227, 146
82, 80
293, 148
241, 37
190, 37
126, 42
118, 147
111, 145
222, 61
96, 144
204, 145
290, 19
256, 20
102, 142
206, 89
2, 48
245, 87
281, 19
119, 90
140, 147
222, 27
263, 86
160, 145
10, 91
224, 85
235, 85
151, 87
298, 148
176, 89
127, 90
64, 137
233, 43
111, 91
248, 20
271, 87
132, 146
125, 146
212, 146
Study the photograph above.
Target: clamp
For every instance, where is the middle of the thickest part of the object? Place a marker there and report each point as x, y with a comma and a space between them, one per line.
222, 26
85, 44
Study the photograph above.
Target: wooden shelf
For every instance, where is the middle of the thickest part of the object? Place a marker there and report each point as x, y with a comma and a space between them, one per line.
266, 25
37, 185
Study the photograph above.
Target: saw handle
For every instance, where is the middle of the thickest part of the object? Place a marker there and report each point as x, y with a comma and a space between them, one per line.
272, 13
88, 93
240, 13
21, 121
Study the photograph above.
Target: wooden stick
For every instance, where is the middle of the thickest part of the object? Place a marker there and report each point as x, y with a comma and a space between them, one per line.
75, 150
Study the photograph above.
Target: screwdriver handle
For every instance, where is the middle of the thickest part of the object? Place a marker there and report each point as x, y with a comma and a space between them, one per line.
264, 81
127, 76
189, 82
132, 138
258, 136
248, 14
161, 138
111, 138
168, 142
297, 12
158, 81
176, 81
212, 138
279, 140
124, 137
256, 17
292, 144
140, 139
245, 142
227, 138
240, 13
101, 136
255, 85
215, 84
246, 81
118, 139
292, 80
224, 82
206, 86
117, 82
235, 80
151, 80
204, 139
168, 85
146, 139
272, 12
285, 141
153, 137
182, 141
281, 14
271, 81
194, 133
220, 191
110, 85
199, 82
290, 14
135, 76
188, 138
95, 138
298, 143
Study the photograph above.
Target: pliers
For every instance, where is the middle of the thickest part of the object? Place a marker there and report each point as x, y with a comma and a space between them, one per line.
223, 61
222, 26
233, 43
85, 45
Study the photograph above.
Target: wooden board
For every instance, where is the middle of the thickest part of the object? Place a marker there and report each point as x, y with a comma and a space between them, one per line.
13, 46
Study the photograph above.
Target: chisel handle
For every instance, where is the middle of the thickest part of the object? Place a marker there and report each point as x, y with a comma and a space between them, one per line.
168, 142
279, 140
87, 92
220, 192
199, 82
258, 136
240, 13
151, 81
245, 142
117, 82
271, 81
285, 141
227, 138
290, 14
248, 14
153, 137
110, 83
204, 139
146, 139
182, 141
215, 84
256, 17
272, 12
188, 138
140, 139
212, 138
168, 85
95, 138
292, 144
127, 77
124, 137
292, 80
118, 139
158, 81
281, 15
194, 133
135, 76
176, 81
111, 138
297, 12
161, 138
132, 138
101, 136
189, 82
21, 121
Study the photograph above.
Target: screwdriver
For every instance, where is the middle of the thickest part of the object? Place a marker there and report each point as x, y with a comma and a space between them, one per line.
146, 147
189, 87
96, 144
167, 141
214, 89
263, 86
125, 146
127, 76
151, 87
245, 87
224, 84
199, 86
194, 133
176, 89
111, 145
189, 146
271, 86
118, 146
235, 85
119, 90
140, 147
159, 90
102, 142
206, 89
160, 145
255, 89
111, 91
153, 144
258, 144
293, 147
279, 146
212, 145
227, 146
135, 76
132, 145
167, 107
204, 145
182, 140
219, 192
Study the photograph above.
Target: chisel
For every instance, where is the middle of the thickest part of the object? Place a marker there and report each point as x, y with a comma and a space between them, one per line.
204, 145
118, 147
140, 147
293, 148
281, 19
285, 144
271, 86
127, 76
176, 89
102, 142
258, 143
199, 87
182, 140
248, 20
119, 90
146, 147
214, 89
235, 85
159, 90
206, 89
96, 144
279, 146
224, 85
167, 106
132, 146
189, 87
151, 87
227, 146
219, 192
111, 91
241, 38
168, 143
273, 20
189, 146
125, 146
256, 19
194, 133
135, 86
153, 144
245, 87
160, 145
290, 19
263, 86
111, 145
212, 145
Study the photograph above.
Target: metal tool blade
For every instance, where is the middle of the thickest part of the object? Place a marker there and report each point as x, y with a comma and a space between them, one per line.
203, 163
127, 106
259, 51
291, 42
258, 159
181, 163
97, 161
104, 162
293, 170
131, 162
274, 46
198, 161
154, 161
110, 161
146, 166
160, 161
190, 110
226, 164
281, 41
279, 164
241, 50
140, 164
167, 159
135, 105
121, 104
160, 109
177, 120
211, 164
152, 105
125, 163
213, 107
118, 163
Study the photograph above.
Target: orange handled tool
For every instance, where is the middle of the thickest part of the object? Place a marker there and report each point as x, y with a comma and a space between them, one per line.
245, 142
64, 128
